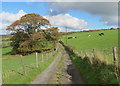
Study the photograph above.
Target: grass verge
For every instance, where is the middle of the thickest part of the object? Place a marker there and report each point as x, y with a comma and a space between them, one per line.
93, 70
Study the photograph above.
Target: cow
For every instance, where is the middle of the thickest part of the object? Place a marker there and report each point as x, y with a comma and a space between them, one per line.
101, 34
72, 37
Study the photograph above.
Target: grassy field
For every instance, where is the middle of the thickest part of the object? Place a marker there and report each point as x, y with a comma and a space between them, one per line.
93, 70
98, 69
12, 67
102, 44
5, 40
6, 43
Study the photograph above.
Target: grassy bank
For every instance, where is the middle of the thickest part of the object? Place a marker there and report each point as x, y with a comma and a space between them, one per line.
93, 70
102, 44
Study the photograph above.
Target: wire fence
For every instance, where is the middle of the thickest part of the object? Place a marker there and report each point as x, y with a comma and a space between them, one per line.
43, 59
106, 55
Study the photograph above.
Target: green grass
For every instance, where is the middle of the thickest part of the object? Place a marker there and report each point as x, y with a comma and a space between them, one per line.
93, 70
6, 43
84, 42
12, 67
5, 40
102, 44
6, 51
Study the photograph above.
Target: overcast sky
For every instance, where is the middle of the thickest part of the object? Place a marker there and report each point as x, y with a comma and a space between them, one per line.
75, 16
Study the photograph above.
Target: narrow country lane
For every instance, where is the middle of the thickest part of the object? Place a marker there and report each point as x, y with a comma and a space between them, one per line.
61, 71
45, 76
66, 72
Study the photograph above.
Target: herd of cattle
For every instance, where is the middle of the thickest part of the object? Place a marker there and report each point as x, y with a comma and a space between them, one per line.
100, 34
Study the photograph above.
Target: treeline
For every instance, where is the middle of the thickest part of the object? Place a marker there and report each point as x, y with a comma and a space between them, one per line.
99, 30
67, 33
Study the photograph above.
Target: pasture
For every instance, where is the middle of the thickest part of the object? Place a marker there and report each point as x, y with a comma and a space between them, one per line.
12, 66
96, 67
83, 43
102, 44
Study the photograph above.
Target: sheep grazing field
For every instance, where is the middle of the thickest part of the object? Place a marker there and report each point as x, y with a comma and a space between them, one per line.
102, 45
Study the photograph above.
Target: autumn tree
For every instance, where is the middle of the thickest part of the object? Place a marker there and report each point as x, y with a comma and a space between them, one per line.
17, 39
28, 35
36, 42
52, 34
29, 23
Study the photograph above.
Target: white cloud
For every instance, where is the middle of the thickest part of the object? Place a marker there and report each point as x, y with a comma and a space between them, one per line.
69, 30
108, 11
66, 20
10, 17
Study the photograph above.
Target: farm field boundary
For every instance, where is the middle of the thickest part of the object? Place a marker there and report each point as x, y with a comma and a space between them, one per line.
93, 70
30, 71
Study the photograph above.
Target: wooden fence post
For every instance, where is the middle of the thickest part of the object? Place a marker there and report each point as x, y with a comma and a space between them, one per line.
81, 54
36, 59
115, 56
94, 54
47, 56
85, 53
52, 53
116, 64
42, 59
23, 66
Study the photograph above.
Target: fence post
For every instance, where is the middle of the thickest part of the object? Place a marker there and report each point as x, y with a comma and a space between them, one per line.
52, 53
94, 54
36, 59
116, 64
47, 56
115, 56
81, 54
85, 53
23, 66
42, 58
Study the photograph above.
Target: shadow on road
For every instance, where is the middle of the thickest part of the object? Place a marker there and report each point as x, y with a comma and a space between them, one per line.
74, 75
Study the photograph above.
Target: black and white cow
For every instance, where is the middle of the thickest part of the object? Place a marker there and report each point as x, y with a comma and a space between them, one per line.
101, 34
72, 37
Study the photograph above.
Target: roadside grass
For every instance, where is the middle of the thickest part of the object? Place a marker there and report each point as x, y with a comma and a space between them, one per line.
102, 44
93, 70
12, 71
